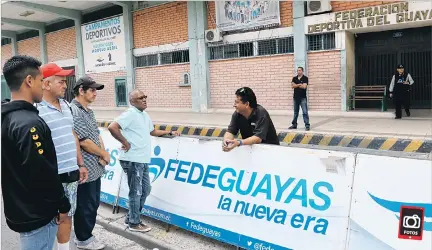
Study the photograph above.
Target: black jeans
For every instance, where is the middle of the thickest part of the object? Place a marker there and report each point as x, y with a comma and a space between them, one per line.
399, 100
303, 103
88, 199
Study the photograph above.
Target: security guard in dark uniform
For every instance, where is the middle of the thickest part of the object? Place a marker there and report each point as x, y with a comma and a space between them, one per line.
400, 91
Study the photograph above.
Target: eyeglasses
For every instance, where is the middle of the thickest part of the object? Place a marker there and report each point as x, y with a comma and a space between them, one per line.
142, 97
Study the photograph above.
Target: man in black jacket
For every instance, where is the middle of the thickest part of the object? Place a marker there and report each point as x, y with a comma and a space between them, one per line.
34, 199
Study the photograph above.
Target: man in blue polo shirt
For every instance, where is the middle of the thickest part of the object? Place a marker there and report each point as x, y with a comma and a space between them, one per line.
56, 113
133, 129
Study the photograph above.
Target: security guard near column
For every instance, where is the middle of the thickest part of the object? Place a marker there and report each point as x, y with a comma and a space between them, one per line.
400, 91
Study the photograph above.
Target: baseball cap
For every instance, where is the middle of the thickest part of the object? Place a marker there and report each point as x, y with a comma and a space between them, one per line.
400, 66
52, 69
87, 81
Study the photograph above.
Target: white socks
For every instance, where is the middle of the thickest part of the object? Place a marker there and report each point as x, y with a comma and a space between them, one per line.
63, 246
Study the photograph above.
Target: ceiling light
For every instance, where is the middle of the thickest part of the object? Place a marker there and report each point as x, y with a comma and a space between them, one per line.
27, 13
62, 1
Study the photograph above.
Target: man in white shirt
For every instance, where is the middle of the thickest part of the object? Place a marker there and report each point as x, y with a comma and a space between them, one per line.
133, 129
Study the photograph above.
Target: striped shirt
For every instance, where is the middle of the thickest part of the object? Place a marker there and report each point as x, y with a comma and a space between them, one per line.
60, 123
86, 127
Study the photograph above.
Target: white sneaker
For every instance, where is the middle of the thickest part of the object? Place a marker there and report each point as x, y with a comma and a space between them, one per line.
94, 245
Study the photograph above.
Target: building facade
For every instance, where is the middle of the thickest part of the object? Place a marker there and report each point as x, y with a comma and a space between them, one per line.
350, 43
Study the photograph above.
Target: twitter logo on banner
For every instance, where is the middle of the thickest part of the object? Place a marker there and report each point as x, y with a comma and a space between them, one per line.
395, 206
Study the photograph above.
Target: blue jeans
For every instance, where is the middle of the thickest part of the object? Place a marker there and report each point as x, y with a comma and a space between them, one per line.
303, 104
40, 239
139, 189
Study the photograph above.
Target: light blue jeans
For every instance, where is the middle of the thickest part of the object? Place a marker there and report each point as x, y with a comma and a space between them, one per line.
139, 188
40, 239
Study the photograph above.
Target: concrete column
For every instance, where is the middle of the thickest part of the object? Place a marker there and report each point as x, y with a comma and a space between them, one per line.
300, 41
43, 46
14, 45
79, 49
198, 56
347, 68
128, 31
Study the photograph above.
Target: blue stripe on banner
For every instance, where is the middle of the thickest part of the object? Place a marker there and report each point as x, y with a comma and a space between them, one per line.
107, 198
198, 227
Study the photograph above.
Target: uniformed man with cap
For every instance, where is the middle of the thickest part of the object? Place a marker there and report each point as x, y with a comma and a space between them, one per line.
400, 91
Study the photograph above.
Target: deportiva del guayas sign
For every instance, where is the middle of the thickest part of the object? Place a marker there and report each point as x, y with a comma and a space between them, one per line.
374, 16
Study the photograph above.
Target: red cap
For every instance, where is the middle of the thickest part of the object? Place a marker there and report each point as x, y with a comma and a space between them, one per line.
52, 69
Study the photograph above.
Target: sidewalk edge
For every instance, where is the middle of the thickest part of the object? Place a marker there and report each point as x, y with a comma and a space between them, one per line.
140, 238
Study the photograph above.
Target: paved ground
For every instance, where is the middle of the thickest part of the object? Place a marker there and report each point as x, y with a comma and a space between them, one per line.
158, 237
10, 239
418, 126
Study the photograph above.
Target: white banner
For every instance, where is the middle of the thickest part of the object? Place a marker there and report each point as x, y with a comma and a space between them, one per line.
270, 197
382, 186
261, 197
104, 45
236, 15
113, 171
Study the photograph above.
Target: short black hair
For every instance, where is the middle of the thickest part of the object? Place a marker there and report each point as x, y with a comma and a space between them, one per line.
76, 90
17, 68
247, 95
301, 68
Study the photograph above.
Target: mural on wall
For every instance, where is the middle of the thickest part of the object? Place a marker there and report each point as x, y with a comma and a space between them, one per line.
235, 15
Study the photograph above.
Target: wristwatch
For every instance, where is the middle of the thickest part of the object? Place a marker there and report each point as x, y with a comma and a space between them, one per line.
170, 133
240, 142
81, 166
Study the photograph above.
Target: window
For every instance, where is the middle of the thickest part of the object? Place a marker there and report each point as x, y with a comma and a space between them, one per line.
286, 45
120, 92
175, 57
267, 47
276, 46
147, 60
246, 49
231, 51
321, 42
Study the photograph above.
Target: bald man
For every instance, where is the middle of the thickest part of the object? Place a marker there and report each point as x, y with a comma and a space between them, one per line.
133, 129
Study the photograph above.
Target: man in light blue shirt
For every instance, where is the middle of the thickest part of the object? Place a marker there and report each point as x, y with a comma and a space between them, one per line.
133, 129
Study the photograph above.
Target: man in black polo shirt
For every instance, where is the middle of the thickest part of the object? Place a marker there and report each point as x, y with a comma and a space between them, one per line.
299, 84
252, 120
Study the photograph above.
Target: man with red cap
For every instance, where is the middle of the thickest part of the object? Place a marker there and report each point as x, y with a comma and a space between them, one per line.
56, 112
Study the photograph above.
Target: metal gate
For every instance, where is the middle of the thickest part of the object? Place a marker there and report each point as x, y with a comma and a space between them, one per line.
378, 54
69, 96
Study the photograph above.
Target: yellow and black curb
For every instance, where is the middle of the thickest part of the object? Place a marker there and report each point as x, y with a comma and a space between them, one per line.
365, 142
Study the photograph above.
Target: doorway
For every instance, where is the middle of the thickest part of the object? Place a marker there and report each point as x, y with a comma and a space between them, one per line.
379, 53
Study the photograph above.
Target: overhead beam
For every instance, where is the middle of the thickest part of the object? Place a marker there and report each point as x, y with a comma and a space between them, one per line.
63, 12
8, 33
24, 23
13, 36
124, 4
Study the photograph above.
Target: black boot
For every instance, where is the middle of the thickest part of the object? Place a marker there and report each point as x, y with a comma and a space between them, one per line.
408, 113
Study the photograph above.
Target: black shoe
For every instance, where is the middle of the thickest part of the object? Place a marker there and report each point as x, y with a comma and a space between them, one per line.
307, 129
408, 113
293, 127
